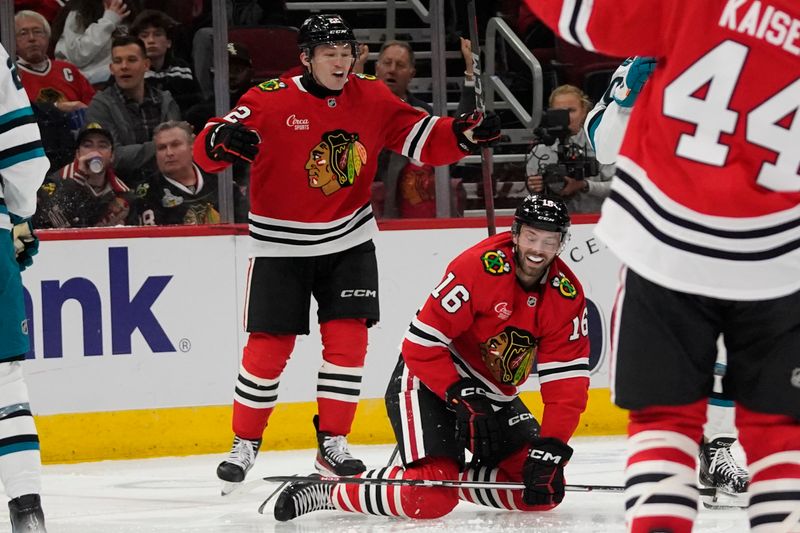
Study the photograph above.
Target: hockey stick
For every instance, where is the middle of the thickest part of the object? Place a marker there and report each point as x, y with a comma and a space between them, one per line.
480, 105
438, 483
453, 484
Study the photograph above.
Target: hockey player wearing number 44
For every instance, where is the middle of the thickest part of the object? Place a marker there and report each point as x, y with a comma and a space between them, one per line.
705, 215
605, 127
505, 304
314, 142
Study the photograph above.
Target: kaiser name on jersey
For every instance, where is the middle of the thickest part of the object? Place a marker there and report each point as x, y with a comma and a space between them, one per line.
762, 21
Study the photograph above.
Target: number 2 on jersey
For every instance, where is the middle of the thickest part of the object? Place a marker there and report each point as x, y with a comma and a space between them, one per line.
720, 70
454, 298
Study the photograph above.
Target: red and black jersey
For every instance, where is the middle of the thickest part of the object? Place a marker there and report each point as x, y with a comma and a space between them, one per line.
59, 82
706, 196
311, 180
480, 322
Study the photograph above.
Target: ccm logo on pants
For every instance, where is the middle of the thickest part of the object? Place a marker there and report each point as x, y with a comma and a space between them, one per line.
359, 293
514, 420
545, 456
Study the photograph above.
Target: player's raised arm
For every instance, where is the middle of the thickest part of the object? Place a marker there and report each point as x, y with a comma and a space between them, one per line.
612, 27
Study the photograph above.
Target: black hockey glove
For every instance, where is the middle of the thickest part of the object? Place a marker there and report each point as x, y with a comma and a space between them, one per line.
232, 141
477, 428
26, 243
475, 129
543, 471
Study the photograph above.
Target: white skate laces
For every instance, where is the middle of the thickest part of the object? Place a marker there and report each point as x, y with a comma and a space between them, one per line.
301, 498
243, 453
723, 469
336, 450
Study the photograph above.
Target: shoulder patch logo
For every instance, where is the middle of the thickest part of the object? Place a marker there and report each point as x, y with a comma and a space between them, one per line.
564, 286
274, 84
368, 77
495, 262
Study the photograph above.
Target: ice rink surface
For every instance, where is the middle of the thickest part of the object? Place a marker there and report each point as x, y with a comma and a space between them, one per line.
182, 494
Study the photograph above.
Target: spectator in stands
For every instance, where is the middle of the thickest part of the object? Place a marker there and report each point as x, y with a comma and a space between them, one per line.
167, 72
240, 80
47, 80
131, 110
84, 33
240, 13
581, 195
396, 68
57, 90
179, 192
86, 192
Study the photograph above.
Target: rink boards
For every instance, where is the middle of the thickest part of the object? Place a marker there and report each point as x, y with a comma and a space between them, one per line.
137, 335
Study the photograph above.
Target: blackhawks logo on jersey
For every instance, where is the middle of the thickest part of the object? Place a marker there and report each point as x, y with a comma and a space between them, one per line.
495, 262
336, 162
509, 355
564, 286
272, 85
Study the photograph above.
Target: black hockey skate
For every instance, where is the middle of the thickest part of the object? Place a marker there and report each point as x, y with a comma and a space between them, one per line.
333, 456
301, 497
240, 460
26, 514
719, 470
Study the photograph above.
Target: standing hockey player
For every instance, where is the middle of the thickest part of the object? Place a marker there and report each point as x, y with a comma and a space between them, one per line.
504, 305
704, 213
314, 142
605, 127
23, 166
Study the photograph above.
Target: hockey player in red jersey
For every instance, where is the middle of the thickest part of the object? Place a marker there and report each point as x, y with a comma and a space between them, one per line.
314, 141
605, 127
704, 213
505, 307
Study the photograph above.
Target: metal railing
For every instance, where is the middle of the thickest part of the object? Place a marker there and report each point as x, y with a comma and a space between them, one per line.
390, 5
497, 27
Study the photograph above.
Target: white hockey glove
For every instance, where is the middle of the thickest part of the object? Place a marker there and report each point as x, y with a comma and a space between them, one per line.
639, 70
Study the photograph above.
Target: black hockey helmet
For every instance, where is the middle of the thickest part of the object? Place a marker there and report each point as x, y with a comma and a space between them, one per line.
543, 211
325, 29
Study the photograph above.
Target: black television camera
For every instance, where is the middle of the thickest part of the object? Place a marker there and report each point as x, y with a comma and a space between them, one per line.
572, 160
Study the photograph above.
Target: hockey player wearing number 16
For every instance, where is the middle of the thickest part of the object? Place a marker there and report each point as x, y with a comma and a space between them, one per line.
705, 214
505, 306
314, 142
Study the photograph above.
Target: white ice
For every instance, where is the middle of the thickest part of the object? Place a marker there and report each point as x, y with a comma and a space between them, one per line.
182, 494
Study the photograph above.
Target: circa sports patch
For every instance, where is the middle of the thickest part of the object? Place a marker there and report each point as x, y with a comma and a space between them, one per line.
272, 85
495, 262
564, 286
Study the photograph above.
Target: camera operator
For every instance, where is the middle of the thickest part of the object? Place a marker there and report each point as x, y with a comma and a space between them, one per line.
563, 161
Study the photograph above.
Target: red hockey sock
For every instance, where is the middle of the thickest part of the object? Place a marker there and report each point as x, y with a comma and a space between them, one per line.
407, 501
772, 444
663, 444
339, 379
256, 393
510, 469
